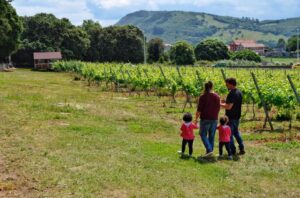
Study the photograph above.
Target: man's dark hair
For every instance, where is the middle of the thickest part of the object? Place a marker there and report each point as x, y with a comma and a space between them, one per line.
187, 117
231, 81
223, 120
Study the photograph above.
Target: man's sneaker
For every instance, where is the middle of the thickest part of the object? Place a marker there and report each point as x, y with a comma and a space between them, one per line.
180, 152
208, 154
230, 157
242, 152
190, 156
220, 157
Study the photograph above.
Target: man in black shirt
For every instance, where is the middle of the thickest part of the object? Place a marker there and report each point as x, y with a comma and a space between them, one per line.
233, 106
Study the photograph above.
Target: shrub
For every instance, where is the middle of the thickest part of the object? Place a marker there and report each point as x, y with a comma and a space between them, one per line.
182, 53
284, 116
211, 50
155, 50
232, 63
246, 55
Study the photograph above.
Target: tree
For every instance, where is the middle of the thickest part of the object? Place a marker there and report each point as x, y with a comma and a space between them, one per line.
116, 43
10, 29
246, 55
211, 50
44, 32
90, 26
75, 44
292, 43
155, 49
182, 53
281, 44
94, 30
129, 44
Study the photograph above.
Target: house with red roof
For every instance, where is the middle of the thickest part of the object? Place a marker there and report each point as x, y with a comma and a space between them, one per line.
238, 45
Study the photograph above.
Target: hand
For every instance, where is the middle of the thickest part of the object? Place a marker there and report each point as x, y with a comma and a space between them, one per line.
223, 101
196, 121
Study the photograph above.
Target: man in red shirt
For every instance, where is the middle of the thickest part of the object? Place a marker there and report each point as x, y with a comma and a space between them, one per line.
208, 111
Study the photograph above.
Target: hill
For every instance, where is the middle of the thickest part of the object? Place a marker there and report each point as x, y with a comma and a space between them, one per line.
193, 26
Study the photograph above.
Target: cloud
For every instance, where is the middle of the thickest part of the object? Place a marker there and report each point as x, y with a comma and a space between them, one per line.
75, 10
110, 11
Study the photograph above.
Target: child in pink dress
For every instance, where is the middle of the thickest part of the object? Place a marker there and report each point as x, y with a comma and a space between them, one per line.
224, 137
187, 133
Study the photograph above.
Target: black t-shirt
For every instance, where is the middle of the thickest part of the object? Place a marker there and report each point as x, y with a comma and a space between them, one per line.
234, 97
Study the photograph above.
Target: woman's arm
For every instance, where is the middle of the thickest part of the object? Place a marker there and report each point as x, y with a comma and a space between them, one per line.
197, 117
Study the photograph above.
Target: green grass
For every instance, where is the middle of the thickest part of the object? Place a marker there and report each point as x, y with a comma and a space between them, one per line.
280, 60
61, 138
229, 35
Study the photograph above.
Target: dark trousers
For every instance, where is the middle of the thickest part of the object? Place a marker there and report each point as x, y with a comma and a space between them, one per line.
234, 125
227, 146
190, 143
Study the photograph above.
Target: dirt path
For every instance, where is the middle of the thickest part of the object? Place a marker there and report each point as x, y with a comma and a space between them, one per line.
13, 184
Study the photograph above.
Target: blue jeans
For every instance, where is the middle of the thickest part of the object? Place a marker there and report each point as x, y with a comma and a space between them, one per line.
208, 128
234, 125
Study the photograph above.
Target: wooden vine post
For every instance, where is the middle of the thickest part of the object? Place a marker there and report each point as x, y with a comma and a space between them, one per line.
116, 82
163, 75
146, 74
198, 76
223, 74
187, 95
106, 78
129, 78
162, 72
111, 76
262, 101
295, 92
294, 88
124, 77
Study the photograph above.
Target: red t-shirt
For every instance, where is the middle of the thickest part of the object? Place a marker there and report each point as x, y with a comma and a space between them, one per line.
224, 133
209, 106
187, 131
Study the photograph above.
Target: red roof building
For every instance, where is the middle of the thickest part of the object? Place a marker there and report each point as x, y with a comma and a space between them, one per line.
238, 45
44, 60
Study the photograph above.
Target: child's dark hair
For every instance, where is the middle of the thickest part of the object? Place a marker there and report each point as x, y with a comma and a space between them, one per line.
223, 120
187, 117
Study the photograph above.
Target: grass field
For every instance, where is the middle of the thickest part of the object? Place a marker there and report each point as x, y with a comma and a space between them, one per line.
61, 138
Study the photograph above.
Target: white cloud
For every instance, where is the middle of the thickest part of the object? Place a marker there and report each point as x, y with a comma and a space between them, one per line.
107, 22
108, 4
109, 11
75, 10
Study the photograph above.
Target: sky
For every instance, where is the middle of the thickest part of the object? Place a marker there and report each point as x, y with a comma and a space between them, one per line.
108, 12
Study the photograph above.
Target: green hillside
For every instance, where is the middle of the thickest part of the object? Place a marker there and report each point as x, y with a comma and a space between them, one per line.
193, 27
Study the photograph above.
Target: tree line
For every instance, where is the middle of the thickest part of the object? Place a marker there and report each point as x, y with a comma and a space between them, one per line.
21, 36
88, 42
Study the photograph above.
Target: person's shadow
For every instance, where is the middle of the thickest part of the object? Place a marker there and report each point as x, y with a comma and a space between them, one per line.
208, 160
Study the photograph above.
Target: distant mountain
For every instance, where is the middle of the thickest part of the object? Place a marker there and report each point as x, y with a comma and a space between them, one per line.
173, 26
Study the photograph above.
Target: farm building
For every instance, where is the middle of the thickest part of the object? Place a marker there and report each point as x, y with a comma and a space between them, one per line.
238, 45
44, 60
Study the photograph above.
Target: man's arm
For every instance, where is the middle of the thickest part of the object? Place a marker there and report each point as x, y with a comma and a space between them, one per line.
227, 106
